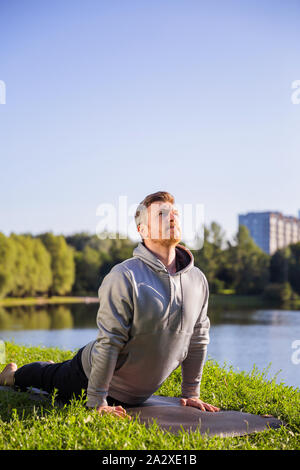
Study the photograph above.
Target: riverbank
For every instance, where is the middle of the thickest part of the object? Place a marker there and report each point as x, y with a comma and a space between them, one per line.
29, 425
234, 301
15, 301
225, 301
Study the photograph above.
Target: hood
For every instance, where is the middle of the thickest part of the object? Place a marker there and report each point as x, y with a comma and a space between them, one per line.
184, 259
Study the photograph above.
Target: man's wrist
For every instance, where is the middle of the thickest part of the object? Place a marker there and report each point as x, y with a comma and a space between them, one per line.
190, 397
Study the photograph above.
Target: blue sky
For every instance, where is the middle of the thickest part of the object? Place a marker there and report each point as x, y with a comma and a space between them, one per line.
123, 98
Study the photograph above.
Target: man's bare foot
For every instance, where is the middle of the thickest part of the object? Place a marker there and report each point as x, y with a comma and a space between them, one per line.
7, 375
51, 362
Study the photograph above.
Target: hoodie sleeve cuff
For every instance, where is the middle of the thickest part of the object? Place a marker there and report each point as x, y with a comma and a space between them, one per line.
95, 400
189, 391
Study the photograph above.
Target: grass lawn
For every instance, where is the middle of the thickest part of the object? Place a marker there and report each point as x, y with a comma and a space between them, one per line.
25, 424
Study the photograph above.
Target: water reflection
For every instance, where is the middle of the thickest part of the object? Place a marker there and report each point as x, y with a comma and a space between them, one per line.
51, 317
56, 317
252, 317
240, 338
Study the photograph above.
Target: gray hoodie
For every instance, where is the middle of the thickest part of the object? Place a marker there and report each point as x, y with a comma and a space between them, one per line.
150, 322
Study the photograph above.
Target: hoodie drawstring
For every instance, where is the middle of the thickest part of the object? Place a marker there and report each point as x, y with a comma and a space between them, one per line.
181, 303
170, 302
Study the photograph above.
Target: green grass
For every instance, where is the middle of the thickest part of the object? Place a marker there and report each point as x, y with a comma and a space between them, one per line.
233, 301
25, 424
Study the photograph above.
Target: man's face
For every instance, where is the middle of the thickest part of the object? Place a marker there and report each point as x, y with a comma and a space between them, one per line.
163, 224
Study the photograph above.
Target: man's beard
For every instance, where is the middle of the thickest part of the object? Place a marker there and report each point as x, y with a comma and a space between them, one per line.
169, 239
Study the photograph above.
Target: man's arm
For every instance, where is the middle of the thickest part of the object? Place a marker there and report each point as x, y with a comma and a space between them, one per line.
114, 320
192, 366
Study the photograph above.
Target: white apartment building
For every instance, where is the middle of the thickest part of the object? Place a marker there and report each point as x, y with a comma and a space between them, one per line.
271, 230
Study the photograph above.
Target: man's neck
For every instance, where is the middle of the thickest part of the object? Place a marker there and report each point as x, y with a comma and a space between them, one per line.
165, 253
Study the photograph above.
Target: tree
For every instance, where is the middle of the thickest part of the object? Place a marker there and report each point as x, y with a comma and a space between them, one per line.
88, 264
23, 270
8, 255
32, 267
249, 264
62, 263
279, 265
210, 257
216, 235
280, 293
43, 278
294, 267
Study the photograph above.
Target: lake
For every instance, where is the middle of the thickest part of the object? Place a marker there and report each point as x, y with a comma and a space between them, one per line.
238, 338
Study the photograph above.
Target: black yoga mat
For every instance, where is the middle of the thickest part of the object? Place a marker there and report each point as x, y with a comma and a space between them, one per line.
171, 416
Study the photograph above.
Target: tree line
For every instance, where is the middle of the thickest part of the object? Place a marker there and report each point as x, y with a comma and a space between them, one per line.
48, 264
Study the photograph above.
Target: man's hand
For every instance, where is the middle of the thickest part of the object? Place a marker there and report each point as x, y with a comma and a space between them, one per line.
197, 403
114, 410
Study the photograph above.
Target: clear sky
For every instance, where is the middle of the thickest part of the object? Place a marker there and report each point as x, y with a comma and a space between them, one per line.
109, 98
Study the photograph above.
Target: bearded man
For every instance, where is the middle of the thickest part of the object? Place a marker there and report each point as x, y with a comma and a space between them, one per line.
152, 318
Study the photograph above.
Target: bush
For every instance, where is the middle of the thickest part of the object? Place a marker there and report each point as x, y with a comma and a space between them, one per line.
216, 286
278, 292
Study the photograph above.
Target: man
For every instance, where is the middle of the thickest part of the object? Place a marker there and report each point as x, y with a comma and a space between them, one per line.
152, 318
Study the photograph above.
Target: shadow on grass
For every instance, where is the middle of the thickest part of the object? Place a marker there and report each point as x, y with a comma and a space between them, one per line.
28, 404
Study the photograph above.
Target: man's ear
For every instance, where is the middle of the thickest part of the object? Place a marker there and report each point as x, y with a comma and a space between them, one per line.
143, 230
